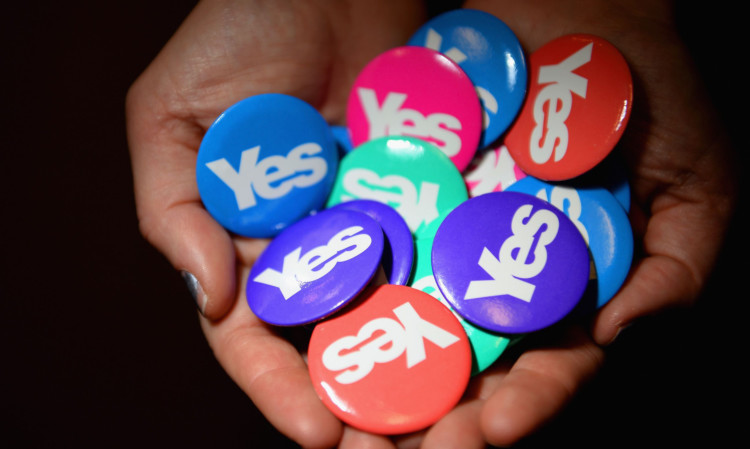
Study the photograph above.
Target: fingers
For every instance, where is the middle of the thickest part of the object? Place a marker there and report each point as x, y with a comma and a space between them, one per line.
271, 371
682, 229
656, 284
171, 217
459, 429
509, 402
357, 439
681, 243
538, 386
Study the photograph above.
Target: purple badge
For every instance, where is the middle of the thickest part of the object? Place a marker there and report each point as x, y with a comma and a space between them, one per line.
510, 262
315, 267
398, 249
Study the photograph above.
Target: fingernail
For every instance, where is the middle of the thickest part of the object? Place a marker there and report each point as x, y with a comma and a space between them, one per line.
619, 331
196, 291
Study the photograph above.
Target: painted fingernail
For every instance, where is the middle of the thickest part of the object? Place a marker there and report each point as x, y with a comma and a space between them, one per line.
196, 291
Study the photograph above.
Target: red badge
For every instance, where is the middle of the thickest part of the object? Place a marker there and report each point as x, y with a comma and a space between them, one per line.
394, 363
579, 101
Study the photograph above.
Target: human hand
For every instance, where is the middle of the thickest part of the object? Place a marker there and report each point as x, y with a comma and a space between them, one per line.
226, 51
683, 194
206, 68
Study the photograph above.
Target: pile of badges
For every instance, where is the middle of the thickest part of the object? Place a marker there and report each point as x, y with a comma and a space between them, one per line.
458, 210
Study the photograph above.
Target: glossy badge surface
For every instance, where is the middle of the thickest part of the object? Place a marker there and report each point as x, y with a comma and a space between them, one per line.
408, 174
603, 224
510, 262
257, 174
486, 346
398, 248
418, 92
394, 362
315, 267
579, 101
490, 54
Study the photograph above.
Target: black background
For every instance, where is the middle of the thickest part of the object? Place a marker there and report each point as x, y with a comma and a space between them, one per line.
100, 342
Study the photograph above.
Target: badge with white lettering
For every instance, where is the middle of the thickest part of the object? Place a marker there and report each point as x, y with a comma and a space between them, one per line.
579, 101
492, 170
603, 224
510, 262
256, 174
394, 362
490, 54
418, 92
408, 174
398, 246
486, 346
315, 267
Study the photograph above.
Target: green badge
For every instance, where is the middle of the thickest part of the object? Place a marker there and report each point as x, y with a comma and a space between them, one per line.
486, 346
411, 175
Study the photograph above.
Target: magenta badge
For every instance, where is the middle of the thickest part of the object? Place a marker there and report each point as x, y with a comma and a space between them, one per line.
417, 92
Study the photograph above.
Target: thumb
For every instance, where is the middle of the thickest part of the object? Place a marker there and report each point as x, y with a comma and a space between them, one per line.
171, 217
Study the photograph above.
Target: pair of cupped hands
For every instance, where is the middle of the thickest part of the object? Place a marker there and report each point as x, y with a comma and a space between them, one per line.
677, 154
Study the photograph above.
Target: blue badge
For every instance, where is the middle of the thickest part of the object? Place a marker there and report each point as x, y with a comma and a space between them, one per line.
266, 162
603, 223
490, 54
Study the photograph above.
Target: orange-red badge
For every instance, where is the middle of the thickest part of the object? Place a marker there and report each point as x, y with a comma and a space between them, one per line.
579, 101
394, 363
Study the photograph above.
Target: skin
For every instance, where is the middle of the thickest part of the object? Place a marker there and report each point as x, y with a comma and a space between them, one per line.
679, 158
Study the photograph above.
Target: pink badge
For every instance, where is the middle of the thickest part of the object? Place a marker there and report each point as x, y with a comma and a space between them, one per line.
493, 170
418, 92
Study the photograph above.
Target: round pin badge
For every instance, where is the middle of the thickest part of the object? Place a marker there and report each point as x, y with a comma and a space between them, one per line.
394, 362
407, 173
603, 224
490, 54
492, 170
510, 262
398, 249
579, 102
255, 174
417, 92
315, 267
486, 346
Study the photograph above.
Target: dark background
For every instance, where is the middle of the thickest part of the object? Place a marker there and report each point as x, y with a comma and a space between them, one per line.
100, 341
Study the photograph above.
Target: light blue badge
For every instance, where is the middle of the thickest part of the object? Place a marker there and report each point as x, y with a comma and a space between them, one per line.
266, 162
490, 54
603, 223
